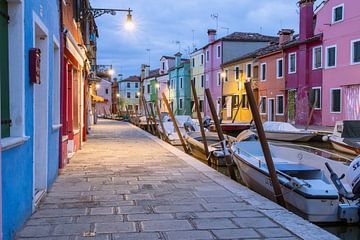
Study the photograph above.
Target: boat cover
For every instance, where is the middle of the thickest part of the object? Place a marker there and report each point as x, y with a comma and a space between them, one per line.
351, 129
280, 127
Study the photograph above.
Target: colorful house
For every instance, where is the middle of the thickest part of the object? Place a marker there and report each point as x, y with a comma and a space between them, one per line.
150, 84
129, 92
104, 90
180, 89
303, 77
30, 112
223, 50
338, 21
236, 72
197, 74
166, 63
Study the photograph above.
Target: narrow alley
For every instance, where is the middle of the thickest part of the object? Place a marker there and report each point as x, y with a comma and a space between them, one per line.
126, 184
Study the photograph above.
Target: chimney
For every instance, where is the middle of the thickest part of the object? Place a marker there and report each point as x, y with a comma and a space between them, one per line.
285, 35
147, 71
211, 35
178, 59
306, 19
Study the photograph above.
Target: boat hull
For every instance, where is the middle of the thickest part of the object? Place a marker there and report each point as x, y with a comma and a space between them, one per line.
343, 147
289, 137
231, 129
315, 210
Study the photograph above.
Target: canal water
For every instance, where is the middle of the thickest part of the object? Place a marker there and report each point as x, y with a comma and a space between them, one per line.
324, 149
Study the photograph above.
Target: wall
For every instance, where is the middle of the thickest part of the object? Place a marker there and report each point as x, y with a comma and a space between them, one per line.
197, 71
164, 88
185, 92
17, 162
101, 91
235, 49
344, 74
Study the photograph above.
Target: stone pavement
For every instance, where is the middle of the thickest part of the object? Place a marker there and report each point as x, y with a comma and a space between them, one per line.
125, 184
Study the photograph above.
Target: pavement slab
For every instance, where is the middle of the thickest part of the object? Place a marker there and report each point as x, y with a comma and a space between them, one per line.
126, 184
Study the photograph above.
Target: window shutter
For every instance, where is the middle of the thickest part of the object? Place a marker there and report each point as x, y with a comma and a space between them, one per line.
4, 72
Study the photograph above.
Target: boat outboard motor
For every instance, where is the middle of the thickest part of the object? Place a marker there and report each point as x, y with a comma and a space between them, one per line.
207, 122
353, 175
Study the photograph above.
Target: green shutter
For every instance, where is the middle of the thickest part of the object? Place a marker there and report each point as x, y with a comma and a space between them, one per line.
4, 71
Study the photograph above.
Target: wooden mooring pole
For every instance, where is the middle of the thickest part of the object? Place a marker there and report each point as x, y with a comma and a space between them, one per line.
146, 114
175, 123
161, 122
154, 120
220, 133
202, 130
264, 145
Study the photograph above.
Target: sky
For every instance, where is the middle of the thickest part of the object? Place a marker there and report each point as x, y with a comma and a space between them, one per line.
162, 27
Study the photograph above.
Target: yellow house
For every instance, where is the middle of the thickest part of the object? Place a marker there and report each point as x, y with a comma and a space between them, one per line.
234, 98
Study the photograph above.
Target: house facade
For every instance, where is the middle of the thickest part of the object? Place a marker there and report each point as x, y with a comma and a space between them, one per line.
129, 92
166, 63
104, 90
150, 84
219, 51
197, 74
337, 21
30, 109
179, 87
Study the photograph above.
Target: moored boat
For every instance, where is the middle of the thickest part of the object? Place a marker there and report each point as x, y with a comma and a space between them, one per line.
232, 129
304, 183
346, 137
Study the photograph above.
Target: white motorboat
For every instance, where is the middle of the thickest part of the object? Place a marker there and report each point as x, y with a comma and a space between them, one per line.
304, 183
283, 131
346, 137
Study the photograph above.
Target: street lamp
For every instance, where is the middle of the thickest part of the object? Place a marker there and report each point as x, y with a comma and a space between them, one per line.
129, 25
111, 72
118, 95
97, 86
157, 85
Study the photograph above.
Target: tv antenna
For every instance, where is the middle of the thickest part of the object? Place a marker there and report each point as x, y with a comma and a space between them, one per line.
215, 16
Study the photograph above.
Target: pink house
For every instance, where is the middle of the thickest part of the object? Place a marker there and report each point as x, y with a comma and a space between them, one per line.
303, 73
104, 90
219, 51
339, 23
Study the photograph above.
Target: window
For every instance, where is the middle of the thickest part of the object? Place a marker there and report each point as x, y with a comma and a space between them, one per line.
201, 105
136, 85
207, 56
244, 101
128, 94
331, 57
128, 85
338, 13
218, 51
226, 75
317, 57
163, 66
262, 105
202, 81
292, 63
180, 103
263, 72
279, 68
56, 86
218, 80
193, 62
355, 51
106, 91
315, 97
237, 73
181, 82
137, 95
202, 59
235, 101
194, 79
148, 88
335, 100
248, 70
280, 105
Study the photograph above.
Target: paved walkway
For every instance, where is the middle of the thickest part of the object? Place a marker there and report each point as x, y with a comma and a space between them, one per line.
125, 184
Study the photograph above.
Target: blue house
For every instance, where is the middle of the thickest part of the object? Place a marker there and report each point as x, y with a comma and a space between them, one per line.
30, 113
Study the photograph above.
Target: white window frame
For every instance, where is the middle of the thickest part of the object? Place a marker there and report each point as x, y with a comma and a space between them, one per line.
136, 85
320, 100
56, 85
331, 90
289, 63
181, 103
277, 103
181, 82
277, 68
333, 14
218, 79
263, 113
352, 53
326, 56
207, 56
194, 79
201, 59
236, 78
247, 101
251, 72
261, 72
314, 57
226, 79
218, 53
202, 81
193, 62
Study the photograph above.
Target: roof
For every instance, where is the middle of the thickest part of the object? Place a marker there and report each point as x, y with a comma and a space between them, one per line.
153, 73
246, 37
296, 41
131, 79
169, 57
186, 61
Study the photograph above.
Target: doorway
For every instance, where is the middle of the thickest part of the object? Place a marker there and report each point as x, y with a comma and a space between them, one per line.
291, 105
228, 107
271, 108
40, 151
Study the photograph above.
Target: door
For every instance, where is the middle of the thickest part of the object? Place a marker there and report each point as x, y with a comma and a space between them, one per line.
41, 117
228, 107
271, 108
291, 105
